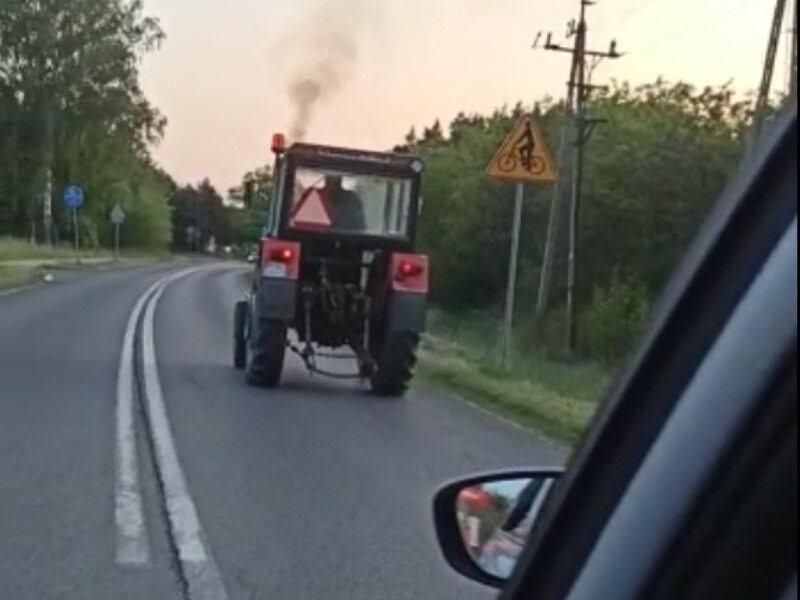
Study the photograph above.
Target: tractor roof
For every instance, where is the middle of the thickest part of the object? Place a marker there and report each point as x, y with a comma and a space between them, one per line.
382, 160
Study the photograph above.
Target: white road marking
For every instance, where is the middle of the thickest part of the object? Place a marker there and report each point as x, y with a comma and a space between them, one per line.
17, 290
558, 447
132, 543
200, 572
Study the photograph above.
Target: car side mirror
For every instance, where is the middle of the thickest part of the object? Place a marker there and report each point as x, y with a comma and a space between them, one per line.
482, 522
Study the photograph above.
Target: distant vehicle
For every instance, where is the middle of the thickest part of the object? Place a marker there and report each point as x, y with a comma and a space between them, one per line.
337, 265
252, 258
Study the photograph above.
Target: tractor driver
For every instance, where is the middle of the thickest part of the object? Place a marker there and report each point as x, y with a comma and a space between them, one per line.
345, 207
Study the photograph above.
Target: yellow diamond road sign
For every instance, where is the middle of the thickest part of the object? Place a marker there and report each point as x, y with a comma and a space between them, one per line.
523, 155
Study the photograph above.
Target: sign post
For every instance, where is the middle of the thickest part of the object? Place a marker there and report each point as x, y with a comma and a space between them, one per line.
47, 205
519, 192
117, 218
75, 227
73, 199
523, 156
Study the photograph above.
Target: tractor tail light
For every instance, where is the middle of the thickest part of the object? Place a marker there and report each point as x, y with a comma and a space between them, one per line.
409, 272
280, 258
408, 269
284, 255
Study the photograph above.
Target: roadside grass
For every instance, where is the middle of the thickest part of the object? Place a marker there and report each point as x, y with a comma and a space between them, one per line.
11, 277
15, 253
537, 392
17, 249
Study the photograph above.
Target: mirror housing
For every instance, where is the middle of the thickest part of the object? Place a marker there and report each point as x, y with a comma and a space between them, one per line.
450, 526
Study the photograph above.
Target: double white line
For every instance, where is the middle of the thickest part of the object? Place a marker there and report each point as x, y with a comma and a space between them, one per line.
199, 572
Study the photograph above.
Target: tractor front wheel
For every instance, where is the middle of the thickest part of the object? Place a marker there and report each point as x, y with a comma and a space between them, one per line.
267, 350
395, 363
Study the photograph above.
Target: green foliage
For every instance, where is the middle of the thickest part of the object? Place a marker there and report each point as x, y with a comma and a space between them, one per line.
245, 225
148, 216
200, 215
614, 319
247, 215
255, 190
12, 249
652, 171
477, 337
11, 277
465, 216
651, 176
525, 400
71, 110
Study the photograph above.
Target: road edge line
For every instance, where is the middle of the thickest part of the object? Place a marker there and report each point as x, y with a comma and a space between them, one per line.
198, 568
132, 544
16, 290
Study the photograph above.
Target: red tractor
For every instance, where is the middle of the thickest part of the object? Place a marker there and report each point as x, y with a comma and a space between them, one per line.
337, 268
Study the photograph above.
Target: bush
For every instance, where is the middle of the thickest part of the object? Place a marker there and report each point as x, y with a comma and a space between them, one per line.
547, 336
89, 238
148, 223
20, 249
613, 321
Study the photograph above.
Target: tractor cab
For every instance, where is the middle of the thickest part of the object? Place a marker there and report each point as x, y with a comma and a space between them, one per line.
354, 197
337, 264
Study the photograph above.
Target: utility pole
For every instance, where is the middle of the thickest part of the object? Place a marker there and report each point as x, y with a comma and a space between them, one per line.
766, 75
793, 55
553, 218
47, 184
47, 207
519, 195
583, 127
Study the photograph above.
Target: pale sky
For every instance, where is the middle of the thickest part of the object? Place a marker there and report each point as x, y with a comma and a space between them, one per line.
221, 76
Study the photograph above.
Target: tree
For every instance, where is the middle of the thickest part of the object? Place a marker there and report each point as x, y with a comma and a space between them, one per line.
651, 174
255, 190
248, 211
71, 109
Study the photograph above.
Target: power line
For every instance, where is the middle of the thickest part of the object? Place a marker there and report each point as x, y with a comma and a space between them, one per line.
625, 15
634, 10
659, 42
711, 19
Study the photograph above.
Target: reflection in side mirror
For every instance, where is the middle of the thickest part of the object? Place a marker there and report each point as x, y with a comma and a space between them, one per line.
495, 518
483, 522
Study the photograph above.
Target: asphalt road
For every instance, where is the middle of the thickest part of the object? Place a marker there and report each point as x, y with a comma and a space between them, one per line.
313, 490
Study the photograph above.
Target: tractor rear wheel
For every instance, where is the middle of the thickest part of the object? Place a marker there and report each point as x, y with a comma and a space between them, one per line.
267, 350
239, 334
395, 363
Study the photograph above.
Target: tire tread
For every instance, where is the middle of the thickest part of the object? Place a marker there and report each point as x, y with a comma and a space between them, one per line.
267, 351
395, 364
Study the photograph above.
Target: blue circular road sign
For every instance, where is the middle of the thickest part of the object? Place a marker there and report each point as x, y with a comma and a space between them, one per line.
73, 196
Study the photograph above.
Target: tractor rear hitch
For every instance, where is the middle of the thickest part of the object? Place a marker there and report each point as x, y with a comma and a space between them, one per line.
308, 355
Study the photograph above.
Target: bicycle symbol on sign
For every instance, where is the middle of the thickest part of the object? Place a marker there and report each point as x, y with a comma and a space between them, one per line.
522, 154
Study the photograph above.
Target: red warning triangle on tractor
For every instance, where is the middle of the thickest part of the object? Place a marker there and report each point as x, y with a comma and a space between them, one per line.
311, 213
